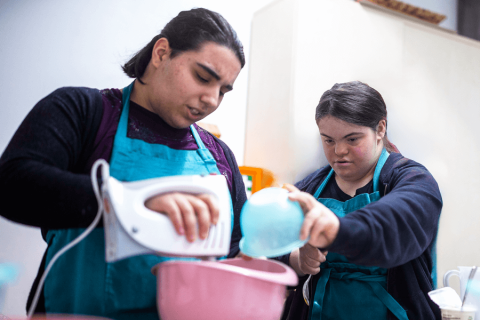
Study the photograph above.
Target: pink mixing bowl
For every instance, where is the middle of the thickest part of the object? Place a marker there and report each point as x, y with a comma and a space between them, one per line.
219, 290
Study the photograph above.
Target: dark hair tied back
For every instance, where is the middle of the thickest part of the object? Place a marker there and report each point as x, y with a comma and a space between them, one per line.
189, 30
356, 103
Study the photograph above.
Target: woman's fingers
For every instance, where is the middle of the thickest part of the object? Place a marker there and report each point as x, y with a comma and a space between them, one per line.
310, 259
213, 206
306, 200
309, 270
290, 187
312, 216
192, 211
313, 253
320, 223
324, 229
187, 212
307, 225
309, 267
168, 206
310, 264
244, 256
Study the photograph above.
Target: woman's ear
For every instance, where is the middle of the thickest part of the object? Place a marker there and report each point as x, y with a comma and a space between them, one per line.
381, 128
161, 51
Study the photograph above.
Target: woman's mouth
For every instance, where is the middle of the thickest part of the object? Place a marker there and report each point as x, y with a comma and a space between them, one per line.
342, 163
194, 113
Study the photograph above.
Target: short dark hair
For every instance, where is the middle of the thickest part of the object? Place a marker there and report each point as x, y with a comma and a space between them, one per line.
356, 103
189, 30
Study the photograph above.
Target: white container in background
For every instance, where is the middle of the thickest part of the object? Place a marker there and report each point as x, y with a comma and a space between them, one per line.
457, 314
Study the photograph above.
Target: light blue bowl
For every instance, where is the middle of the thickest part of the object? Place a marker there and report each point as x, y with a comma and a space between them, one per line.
270, 224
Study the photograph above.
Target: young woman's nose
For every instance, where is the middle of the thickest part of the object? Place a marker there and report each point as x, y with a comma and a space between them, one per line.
210, 97
341, 149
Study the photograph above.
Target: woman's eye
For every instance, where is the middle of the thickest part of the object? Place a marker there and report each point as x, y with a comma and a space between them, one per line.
328, 141
352, 139
202, 79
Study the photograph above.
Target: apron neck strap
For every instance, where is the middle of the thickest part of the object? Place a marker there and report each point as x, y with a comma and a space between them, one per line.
322, 186
198, 140
376, 175
123, 123
126, 93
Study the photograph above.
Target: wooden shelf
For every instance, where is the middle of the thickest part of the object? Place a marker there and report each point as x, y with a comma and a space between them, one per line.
371, 4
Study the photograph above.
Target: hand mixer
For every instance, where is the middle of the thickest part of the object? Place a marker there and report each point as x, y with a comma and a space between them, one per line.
133, 229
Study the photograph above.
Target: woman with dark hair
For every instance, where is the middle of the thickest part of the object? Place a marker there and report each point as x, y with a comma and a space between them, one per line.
145, 130
371, 218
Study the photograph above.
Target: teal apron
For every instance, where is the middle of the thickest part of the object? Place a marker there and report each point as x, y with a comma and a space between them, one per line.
81, 282
345, 290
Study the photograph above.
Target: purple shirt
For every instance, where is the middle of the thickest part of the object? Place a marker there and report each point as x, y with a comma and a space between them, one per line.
149, 127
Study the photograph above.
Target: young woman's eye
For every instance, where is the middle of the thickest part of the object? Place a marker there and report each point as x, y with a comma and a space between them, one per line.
328, 141
352, 139
202, 79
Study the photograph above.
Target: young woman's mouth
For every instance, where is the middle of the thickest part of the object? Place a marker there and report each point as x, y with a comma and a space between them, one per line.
194, 113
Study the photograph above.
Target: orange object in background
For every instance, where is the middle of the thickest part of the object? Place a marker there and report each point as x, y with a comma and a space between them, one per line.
256, 179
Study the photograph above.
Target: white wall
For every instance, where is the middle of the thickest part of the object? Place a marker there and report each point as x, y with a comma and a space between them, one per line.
52, 43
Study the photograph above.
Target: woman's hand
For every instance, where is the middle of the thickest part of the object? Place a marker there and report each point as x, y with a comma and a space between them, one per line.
320, 223
307, 259
186, 210
244, 256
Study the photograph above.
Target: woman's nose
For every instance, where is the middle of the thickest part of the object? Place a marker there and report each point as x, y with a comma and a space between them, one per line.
341, 149
210, 98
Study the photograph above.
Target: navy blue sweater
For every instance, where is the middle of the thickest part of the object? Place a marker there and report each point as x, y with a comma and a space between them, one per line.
397, 232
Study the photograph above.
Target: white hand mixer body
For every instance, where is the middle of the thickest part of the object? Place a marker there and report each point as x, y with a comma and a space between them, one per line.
133, 229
